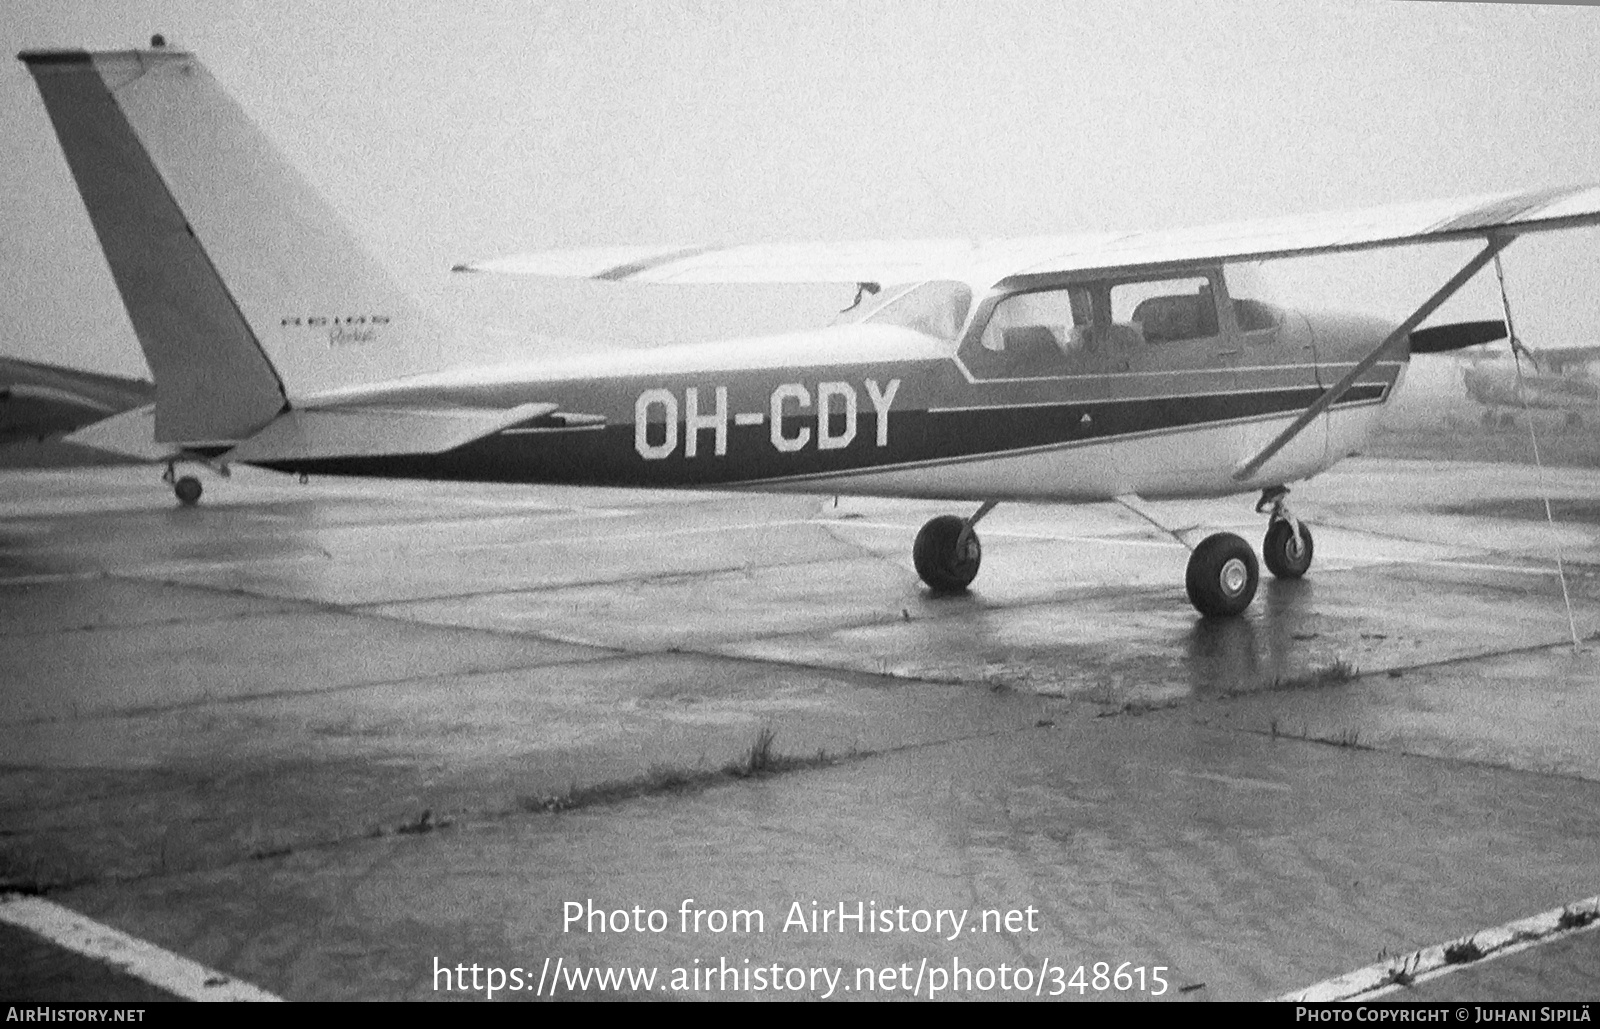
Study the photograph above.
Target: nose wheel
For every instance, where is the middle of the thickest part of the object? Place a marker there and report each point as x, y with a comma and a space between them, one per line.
1287, 549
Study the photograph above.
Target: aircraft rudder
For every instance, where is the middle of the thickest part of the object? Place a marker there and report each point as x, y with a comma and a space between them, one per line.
263, 293
213, 381
324, 309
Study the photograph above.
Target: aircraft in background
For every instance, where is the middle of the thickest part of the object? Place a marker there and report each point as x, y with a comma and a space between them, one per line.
1554, 379
1069, 368
42, 400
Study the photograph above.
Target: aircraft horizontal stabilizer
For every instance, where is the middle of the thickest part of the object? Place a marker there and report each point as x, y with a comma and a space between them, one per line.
1437, 339
129, 434
333, 432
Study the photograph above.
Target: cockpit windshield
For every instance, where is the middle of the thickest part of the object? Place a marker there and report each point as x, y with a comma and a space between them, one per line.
935, 308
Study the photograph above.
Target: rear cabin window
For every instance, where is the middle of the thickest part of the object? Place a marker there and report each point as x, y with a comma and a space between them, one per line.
1167, 311
1255, 316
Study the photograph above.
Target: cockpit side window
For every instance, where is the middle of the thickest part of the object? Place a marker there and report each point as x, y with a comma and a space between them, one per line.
1034, 335
937, 309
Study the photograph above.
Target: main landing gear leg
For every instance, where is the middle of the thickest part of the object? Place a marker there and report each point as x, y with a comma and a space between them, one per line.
1222, 574
947, 552
1287, 548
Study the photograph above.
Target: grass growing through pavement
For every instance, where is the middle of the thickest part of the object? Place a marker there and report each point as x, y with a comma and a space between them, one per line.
1340, 671
758, 761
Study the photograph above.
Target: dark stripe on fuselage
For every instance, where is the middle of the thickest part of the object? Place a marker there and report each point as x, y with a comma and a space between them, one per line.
608, 457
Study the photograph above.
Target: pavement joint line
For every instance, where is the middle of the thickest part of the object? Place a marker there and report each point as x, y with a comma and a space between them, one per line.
1419, 966
1082, 591
658, 578
1446, 562
609, 792
613, 654
1401, 752
1071, 592
154, 624
1397, 538
44, 578
161, 968
1114, 539
1529, 648
189, 705
183, 567
295, 606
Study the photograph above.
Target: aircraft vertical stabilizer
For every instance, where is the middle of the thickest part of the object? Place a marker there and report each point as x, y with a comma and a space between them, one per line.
245, 288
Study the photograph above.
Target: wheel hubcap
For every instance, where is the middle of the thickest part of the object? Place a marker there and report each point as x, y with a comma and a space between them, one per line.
1234, 576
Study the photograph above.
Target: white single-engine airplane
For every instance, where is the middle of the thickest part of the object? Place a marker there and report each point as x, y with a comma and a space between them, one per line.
1077, 368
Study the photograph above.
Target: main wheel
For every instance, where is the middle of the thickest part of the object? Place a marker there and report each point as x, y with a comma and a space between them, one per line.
1222, 575
937, 561
188, 490
1287, 556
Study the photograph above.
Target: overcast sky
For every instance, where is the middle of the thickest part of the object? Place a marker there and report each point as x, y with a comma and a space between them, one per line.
443, 135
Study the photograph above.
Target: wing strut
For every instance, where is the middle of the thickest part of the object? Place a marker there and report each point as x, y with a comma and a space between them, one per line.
1495, 243
1517, 350
1187, 535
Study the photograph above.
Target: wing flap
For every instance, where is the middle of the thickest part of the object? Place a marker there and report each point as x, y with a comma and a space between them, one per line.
851, 262
990, 261
332, 432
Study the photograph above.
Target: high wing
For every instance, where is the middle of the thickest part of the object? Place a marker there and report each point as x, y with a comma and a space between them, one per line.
990, 261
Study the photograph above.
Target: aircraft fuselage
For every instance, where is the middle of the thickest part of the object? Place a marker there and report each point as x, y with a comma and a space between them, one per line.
885, 409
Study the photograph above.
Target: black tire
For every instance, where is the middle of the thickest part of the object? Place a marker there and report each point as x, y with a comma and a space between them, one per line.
1285, 557
1222, 575
188, 490
934, 554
